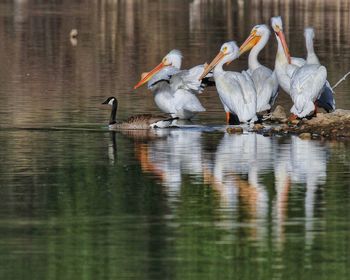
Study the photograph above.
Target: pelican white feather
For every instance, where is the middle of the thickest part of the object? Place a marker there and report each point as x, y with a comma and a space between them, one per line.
265, 80
174, 89
306, 85
236, 90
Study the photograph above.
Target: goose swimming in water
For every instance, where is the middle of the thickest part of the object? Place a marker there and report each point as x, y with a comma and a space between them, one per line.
142, 121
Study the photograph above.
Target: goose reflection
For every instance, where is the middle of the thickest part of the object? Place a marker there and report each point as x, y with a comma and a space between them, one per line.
298, 162
112, 148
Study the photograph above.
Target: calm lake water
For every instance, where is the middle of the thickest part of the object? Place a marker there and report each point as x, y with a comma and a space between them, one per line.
80, 202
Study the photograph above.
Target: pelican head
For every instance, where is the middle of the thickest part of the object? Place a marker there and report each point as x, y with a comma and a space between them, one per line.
229, 51
309, 33
255, 36
276, 23
173, 58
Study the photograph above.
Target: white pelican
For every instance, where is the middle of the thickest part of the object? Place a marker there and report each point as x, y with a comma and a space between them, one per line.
326, 98
174, 89
142, 121
284, 64
307, 83
236, 90
265, 81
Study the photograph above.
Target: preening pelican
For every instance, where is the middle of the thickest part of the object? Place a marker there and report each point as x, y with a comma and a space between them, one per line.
265, 81
307, 81
142, 121
174, 89
326, 98
286, 66
236, 90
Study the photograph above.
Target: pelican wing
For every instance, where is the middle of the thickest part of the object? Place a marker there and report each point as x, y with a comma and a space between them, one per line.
237, 93
306, 85
298, 61
163, 75
266, 86
185, 100
189, 79
326, 98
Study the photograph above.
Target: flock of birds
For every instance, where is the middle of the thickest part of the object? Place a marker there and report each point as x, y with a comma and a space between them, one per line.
244, 95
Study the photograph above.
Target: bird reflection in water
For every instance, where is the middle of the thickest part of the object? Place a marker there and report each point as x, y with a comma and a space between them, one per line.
235, 169
171, 155
112, 148
298, 162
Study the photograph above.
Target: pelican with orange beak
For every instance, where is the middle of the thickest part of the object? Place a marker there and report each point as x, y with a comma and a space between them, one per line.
265, 80
174, 89
284, 66
302, 81
236, 90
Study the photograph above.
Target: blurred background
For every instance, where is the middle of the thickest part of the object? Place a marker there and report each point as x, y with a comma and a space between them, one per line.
80, 202
48, 79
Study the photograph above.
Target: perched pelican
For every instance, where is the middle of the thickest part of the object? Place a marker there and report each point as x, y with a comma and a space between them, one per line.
326, 98
144, 121
307, 81
174, 89
306, 86
265, 81
285, 66
236, 90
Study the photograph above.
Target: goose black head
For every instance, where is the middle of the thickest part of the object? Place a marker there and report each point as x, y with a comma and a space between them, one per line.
114, 103
110, 101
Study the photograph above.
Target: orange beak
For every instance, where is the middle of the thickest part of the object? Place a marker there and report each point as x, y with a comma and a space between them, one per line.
251, 41
212, 64
149, 75
284, 45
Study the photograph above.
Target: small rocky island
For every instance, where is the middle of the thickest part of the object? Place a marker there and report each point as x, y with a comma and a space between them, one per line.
335, 125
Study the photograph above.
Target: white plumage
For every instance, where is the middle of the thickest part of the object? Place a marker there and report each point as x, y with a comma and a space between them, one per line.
236, 90
305, 88
174, 89
265, 80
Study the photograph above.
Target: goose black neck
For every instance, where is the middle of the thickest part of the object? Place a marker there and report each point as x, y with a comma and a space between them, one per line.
113, 119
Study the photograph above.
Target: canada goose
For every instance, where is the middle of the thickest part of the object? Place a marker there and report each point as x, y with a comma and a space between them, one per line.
143, 121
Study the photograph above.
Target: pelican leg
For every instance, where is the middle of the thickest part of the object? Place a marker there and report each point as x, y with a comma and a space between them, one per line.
315, 112
292, 117
227, 117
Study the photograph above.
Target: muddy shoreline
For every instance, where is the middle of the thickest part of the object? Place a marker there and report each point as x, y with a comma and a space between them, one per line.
334, 126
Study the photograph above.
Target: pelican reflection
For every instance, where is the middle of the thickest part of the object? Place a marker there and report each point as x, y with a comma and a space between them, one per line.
298, 162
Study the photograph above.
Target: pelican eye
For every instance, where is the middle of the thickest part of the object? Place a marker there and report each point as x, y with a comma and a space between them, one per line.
224, 49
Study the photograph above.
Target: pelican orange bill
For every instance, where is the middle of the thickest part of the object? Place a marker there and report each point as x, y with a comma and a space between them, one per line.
251, 41
284, 45
212, 64
149, 75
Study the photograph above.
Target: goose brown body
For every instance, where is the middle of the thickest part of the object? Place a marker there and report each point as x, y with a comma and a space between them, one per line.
141, 121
